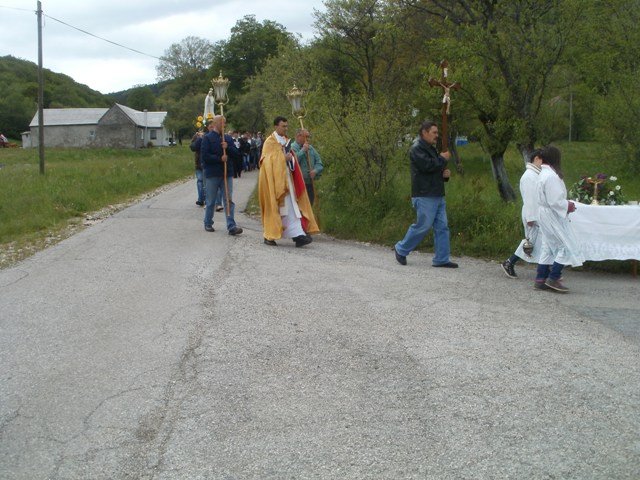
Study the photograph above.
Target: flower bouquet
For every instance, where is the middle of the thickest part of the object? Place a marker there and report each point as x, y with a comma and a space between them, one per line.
597, 190
200, 121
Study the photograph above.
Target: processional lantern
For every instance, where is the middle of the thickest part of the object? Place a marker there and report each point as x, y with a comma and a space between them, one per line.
295, 97
220, 86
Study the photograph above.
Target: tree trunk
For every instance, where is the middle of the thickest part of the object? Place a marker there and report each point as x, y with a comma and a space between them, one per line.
525, 151
500, 174
453, 149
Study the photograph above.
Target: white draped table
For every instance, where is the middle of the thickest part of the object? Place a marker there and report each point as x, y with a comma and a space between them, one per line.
607, 232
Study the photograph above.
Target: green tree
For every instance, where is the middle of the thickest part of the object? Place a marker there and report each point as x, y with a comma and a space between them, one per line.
505, 54
16, 112
246, 51
609, 65
364, 47
192, 54
141, 98
182, 113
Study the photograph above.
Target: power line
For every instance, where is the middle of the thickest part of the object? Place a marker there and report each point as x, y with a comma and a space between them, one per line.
17, 8
83, 31
100, 38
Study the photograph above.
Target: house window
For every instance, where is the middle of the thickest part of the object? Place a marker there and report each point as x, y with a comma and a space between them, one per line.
153, 134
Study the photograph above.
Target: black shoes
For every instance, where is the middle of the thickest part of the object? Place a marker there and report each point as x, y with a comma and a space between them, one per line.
447, 265
509, 271
302, 240
209, 228
235, 231
402, 260
219, 208
199, 203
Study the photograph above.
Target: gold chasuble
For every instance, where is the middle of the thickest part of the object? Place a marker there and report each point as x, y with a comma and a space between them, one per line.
273, 186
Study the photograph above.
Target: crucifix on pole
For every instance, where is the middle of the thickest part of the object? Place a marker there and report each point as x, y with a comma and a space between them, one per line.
446, 105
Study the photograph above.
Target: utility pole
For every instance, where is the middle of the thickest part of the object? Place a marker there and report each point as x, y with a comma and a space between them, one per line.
570, 114
40, 92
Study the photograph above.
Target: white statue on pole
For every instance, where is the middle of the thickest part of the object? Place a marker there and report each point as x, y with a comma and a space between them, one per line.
209, 104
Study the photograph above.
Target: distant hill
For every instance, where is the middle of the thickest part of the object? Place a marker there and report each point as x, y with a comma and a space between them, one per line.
122, 97
19, 94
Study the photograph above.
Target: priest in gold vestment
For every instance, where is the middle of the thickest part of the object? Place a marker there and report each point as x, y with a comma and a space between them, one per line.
284, 203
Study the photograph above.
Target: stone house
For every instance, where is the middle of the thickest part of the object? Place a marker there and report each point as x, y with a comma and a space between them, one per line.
115, 127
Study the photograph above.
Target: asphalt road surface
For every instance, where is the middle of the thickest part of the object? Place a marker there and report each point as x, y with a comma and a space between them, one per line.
144, 347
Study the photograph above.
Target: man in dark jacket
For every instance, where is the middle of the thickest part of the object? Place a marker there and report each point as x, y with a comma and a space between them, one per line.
214, 158
428, 173
196, 143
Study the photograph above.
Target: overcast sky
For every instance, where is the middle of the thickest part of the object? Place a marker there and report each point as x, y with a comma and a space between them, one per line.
145, 25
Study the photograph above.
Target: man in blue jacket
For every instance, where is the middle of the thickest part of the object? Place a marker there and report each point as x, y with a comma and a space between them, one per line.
213, 161
428, 173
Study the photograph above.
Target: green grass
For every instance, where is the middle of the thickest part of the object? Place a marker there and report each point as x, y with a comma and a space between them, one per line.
76, 182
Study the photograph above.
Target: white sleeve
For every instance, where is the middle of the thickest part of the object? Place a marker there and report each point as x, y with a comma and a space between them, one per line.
529, 196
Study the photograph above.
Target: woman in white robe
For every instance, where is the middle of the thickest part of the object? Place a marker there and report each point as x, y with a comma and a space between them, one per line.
559, 244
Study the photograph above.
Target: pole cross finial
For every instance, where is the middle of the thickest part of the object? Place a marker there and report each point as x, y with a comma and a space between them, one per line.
446, 100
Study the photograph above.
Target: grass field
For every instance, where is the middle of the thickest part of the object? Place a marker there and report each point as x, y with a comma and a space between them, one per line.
36, 210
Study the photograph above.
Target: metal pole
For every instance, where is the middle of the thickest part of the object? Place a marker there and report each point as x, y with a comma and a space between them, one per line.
40, 92
570, 114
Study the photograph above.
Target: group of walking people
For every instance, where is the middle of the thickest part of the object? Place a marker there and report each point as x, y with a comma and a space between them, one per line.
286, 191
288, 169
545, 217
545, 212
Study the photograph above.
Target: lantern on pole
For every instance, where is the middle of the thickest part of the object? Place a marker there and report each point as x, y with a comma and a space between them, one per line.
220, 86
295, 97
297, 108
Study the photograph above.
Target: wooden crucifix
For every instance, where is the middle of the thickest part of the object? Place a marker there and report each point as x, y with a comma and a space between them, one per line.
446, 106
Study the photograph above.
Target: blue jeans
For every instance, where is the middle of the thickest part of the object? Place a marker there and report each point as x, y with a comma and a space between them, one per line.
432, 213
200, 184
213, 186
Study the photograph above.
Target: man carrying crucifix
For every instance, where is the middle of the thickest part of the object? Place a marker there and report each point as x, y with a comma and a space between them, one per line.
428, 174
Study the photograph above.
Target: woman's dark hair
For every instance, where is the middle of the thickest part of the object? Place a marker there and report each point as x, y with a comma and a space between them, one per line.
551, 156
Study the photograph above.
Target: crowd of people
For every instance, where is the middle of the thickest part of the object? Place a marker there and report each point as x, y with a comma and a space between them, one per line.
287, 172
286, 189
545, 212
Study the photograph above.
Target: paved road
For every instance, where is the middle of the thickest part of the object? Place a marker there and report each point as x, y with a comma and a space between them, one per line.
145, 348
